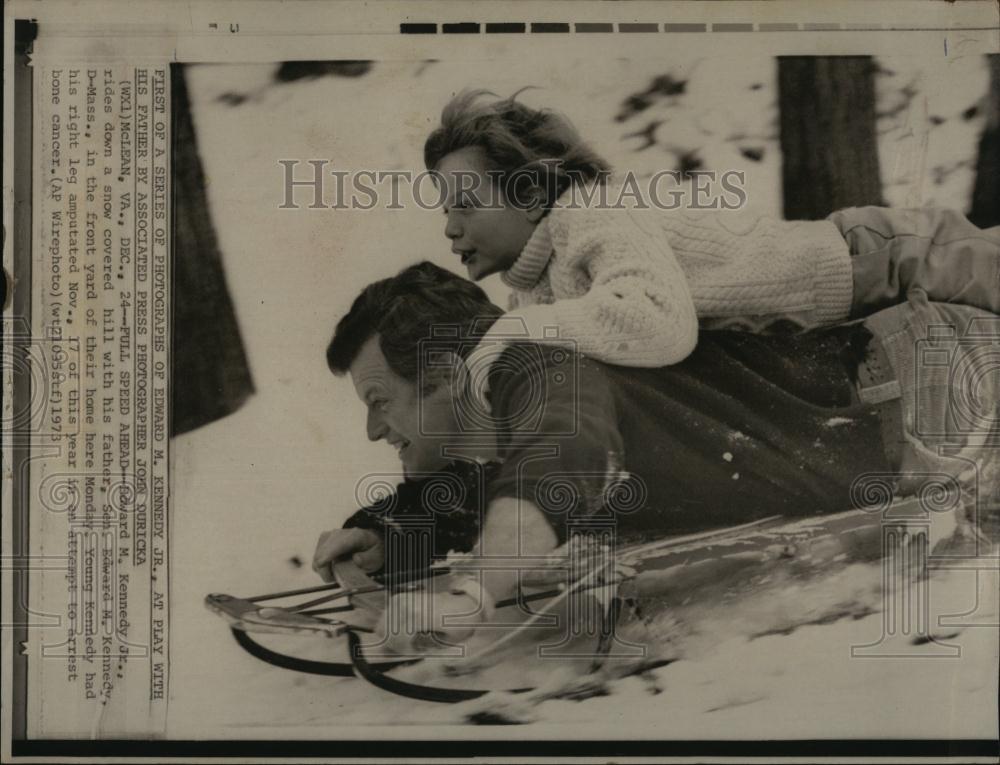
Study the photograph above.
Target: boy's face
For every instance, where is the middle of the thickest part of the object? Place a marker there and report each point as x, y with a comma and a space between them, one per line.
485, 230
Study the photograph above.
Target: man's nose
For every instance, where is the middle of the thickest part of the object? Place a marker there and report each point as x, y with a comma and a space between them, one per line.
375, 426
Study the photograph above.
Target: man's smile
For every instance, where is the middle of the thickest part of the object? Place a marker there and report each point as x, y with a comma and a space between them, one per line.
400, 445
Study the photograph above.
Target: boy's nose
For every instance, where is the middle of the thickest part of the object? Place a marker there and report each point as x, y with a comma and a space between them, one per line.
452, 229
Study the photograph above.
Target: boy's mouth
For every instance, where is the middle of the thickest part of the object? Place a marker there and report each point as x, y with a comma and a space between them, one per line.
465, 255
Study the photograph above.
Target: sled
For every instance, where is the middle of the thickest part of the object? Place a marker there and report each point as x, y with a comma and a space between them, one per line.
661, 574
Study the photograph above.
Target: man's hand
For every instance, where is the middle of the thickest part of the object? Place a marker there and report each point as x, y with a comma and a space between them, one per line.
362, 546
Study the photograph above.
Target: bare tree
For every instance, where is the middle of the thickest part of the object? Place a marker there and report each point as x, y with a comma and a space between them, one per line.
211, 378
985, 210
828, 144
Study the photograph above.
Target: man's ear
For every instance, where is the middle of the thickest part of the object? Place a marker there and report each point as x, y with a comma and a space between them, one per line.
459, 375
449, 371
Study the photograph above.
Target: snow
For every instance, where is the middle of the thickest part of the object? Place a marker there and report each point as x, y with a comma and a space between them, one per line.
252, 492
768, 666
835, 422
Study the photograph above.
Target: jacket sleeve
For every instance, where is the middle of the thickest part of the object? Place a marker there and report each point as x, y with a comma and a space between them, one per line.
638, 309
557, 433
442, 507
366, 518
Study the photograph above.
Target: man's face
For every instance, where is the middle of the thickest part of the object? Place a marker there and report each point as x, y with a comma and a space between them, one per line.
397, 414
486, 232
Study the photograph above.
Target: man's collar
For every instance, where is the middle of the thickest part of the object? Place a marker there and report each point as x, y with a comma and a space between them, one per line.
531, 263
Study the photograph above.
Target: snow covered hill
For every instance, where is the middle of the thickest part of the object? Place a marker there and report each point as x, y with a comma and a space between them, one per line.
252, 492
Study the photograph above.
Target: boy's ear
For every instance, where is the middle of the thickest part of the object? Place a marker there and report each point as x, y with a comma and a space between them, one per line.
536, 204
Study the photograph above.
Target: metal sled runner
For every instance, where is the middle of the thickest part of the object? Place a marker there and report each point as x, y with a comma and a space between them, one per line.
668, 571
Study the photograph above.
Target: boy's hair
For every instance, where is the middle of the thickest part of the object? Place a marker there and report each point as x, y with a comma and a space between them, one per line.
421, 302
526, 145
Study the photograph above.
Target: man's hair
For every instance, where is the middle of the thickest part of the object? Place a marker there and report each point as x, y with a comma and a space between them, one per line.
421, 302
521, 144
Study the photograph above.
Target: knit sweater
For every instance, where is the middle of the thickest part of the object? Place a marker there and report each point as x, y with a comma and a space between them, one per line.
630, 287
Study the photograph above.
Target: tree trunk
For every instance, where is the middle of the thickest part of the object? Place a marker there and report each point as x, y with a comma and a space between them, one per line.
210, 374
985, 210
829, 150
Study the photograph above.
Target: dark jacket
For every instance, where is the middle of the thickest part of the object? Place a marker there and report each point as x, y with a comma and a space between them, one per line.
748, 426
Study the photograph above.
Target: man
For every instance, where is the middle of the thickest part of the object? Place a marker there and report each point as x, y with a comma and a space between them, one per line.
748, 426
